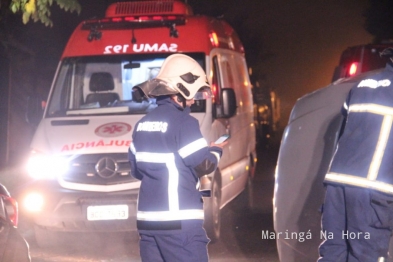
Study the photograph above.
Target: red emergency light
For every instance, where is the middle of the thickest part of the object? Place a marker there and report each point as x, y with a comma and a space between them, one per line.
214, 39
133, 22
129, 18
140, 8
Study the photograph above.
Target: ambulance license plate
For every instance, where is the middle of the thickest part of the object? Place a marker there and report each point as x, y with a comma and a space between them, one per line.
111, 212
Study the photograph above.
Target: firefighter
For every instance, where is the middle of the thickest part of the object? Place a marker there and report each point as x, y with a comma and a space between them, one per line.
169, 155
357, 218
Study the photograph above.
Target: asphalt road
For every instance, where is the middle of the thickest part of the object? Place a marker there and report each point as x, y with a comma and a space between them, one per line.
241, 238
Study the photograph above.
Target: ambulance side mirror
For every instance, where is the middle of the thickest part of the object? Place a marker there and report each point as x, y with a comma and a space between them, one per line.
228, 102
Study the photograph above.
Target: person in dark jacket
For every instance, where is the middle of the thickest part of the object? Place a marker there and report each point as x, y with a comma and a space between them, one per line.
357, 218
170, 156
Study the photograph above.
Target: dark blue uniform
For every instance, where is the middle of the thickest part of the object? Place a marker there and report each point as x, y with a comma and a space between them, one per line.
168, 154
358, 208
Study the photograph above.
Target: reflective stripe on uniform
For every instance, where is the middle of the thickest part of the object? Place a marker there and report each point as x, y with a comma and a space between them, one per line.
192, 147
173, 180
345, 106
380, 148
217, 155
371, 108
132, 148
384, 133
170, 215
359, 182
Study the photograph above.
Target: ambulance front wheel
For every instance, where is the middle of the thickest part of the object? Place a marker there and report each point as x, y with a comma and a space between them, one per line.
212, 204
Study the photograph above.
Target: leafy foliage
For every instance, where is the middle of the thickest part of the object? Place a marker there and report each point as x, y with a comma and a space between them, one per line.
39, 10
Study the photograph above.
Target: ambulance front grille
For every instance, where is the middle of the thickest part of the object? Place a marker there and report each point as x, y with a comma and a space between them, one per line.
100, 169
146, 7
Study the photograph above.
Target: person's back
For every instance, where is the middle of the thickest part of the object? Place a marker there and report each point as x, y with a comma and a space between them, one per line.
170, 156
160, 136
359, 183
365, 137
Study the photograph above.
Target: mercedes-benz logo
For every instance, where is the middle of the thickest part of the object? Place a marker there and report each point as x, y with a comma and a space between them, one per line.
106, 167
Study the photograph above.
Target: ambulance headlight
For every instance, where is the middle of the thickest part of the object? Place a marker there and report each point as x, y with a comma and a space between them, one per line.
33, 202
41, 166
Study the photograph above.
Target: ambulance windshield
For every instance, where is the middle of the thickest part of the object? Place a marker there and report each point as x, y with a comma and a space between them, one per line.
104, 85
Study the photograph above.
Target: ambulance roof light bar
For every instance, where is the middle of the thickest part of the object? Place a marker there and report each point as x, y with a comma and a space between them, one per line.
150, 7
133, 22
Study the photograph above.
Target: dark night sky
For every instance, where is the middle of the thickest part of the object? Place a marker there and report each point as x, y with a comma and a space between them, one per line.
307, 38
301, 39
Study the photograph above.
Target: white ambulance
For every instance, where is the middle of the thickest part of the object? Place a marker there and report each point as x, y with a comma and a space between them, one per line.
82, 180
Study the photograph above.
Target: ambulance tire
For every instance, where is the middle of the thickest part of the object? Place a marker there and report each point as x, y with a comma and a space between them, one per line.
212, 204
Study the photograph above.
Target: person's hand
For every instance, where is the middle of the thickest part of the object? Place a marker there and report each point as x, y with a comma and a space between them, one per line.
221, 145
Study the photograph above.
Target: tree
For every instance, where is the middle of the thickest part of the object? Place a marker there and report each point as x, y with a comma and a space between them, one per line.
37, 10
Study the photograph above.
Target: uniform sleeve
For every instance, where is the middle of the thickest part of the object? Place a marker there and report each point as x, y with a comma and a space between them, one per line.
344, 112
194, 149
132, 159
345, 107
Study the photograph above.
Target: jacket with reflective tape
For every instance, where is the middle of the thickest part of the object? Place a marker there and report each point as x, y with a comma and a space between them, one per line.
364, 154
167, 147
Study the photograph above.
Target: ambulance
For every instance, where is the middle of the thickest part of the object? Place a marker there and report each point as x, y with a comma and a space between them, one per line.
79, 165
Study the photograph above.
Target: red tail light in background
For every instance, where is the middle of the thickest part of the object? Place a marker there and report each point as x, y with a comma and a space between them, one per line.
353, 69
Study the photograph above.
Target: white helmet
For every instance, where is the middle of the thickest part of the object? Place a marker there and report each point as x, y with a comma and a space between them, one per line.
178, 74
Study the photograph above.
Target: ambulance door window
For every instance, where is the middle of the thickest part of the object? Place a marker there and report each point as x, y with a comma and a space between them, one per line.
228, 75
230, 78
244, 82
61, 98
